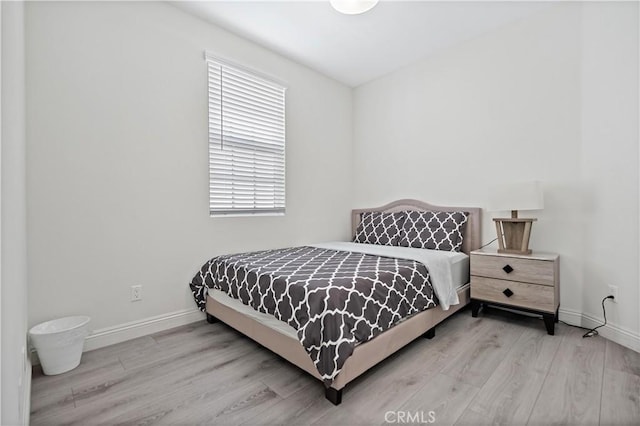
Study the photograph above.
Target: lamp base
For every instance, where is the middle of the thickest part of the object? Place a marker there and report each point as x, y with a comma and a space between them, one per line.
513, 235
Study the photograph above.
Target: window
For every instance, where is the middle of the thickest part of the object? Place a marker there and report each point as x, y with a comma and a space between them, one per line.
246, 141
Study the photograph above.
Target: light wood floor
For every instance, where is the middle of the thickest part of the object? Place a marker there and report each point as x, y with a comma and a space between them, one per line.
500, 368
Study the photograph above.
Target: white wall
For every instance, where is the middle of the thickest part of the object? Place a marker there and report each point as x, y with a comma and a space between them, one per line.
504, 106
117, 169
117, 156
609, 159
13, 253
524, 102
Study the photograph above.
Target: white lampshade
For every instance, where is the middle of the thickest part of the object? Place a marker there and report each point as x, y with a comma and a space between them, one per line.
517, 196
353, 7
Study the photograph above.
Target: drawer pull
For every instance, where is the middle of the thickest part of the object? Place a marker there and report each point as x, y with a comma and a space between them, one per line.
507, 292
508, 269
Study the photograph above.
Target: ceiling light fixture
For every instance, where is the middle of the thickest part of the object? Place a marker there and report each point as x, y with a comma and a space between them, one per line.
353, 7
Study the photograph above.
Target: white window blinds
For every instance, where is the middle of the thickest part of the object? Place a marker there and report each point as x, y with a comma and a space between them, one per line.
246, 141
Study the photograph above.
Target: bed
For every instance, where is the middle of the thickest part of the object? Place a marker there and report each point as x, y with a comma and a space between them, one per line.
282, 337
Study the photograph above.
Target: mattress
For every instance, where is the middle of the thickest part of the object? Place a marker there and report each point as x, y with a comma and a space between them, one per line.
458, 265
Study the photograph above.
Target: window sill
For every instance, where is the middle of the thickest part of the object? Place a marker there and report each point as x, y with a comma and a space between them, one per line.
221, 215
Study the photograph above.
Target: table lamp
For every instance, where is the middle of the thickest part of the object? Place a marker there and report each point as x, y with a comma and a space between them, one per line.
514, 232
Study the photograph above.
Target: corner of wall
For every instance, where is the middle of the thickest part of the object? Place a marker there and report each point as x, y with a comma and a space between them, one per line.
609, 163
16, 369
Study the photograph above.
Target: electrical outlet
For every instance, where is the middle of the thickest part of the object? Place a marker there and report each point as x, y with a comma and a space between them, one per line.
136, 293
613, 291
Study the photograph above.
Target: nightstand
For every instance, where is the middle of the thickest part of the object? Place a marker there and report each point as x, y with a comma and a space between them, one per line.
523, 282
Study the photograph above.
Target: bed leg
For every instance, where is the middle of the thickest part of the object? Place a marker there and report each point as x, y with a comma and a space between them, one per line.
211, 319
430, 334
333, 395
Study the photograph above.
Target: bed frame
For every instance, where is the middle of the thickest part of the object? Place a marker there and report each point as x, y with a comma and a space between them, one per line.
370, 353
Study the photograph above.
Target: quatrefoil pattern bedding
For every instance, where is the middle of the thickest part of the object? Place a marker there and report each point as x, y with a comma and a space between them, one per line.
418, 229
334, 299
433, 230
380, 228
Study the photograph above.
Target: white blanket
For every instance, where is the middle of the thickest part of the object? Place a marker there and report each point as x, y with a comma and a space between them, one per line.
437, 262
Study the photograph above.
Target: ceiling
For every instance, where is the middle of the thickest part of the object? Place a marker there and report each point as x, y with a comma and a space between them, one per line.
355, 49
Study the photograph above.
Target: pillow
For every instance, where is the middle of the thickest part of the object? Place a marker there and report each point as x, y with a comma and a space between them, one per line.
380, 228
433, 230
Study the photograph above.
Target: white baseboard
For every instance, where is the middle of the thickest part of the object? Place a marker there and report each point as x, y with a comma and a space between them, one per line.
131, 330
610, 331
26, 393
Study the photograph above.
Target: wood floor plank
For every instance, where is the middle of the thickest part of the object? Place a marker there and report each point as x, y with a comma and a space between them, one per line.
622, 359
443, 396
209, 374
168, 349
490, 346
303, 407
149, 393
161, 407
572, 389
90, 371
228, 395
620, 398
194, 329
120, 349
240, 404
137, 383
47, 404
507, 398
286, 381
224, 406
455, 336
391, 384
95, 361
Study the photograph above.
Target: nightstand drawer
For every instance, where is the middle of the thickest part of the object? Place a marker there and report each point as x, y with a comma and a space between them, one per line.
532, 296
523, 270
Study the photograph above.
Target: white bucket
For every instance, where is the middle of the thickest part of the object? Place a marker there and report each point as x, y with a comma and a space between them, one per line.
59, 343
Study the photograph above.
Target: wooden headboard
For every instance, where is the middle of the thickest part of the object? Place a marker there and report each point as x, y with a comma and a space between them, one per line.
471, 232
